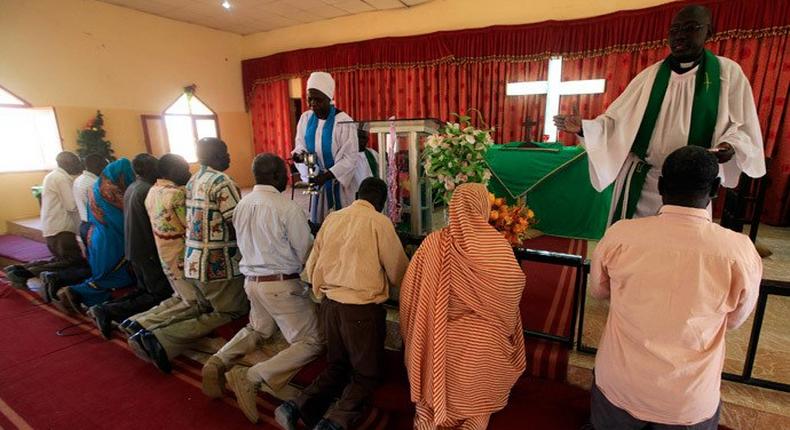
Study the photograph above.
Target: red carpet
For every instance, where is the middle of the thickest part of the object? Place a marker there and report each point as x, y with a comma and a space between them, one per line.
547, 306
83, 381
22, 249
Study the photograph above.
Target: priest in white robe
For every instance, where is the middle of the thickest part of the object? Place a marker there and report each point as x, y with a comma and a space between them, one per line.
329, 133
627, 144
368, 163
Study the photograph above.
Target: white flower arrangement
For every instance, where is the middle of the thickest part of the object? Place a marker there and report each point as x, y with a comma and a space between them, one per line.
456, 155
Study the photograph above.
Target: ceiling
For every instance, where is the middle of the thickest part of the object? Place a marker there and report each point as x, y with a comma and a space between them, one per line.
253, 16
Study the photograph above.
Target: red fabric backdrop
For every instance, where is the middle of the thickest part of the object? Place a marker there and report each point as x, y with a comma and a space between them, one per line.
442, 73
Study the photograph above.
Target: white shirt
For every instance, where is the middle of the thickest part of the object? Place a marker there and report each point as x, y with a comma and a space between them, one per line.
271, 232
83, 186
609, 137
58, 209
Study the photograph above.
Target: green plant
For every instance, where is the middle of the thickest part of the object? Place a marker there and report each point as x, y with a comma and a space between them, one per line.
456, 155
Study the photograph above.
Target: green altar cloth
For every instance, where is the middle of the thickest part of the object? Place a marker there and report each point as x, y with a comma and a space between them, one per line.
555, 181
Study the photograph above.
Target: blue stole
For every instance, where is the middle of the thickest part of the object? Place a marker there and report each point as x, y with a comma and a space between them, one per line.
331, 189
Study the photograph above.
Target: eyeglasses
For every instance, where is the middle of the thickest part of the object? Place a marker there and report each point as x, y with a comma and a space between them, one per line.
685, 28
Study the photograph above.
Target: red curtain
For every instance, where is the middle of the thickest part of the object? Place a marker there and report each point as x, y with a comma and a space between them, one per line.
620, 31
271, 123
453, 72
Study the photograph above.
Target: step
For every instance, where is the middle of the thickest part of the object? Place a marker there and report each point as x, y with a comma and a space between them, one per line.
15, 249
28, 227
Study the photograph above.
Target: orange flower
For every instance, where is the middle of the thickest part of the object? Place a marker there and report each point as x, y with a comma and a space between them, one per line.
493, 216
500, 201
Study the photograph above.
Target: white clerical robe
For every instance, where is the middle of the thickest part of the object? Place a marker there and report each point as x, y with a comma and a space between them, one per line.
363, 170
345, 150
608, 138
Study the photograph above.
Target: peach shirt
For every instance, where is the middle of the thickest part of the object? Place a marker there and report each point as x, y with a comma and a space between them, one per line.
676, 282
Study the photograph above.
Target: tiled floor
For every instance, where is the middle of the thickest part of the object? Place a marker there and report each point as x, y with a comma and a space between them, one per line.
746, 407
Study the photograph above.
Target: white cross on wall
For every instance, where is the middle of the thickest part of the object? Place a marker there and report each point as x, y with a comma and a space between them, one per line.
554, 87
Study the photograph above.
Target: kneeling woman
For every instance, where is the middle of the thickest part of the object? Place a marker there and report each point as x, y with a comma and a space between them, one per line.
460, 318
109, 269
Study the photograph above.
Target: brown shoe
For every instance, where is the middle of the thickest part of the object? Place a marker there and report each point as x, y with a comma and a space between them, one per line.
246, 392
213, 377
67, 301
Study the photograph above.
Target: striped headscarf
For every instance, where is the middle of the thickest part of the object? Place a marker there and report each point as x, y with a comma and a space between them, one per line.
460, 320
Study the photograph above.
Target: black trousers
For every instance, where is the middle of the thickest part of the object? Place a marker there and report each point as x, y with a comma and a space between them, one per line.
355, 337
152, 288
67, 261
605, 415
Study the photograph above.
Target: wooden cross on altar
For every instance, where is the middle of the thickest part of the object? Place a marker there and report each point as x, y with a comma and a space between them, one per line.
528, 124
554, 87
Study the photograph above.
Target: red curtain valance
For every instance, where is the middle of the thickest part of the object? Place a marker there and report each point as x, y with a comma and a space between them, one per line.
615, 32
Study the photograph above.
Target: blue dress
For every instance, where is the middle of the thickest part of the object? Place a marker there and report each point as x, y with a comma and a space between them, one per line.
109, 268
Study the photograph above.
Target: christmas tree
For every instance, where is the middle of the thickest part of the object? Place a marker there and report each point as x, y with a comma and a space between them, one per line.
91, 139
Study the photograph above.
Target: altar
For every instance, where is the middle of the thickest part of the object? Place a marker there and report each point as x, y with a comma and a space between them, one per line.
554, 179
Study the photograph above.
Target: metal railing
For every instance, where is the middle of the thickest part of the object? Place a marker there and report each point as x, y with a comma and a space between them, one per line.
580, 283
767, 287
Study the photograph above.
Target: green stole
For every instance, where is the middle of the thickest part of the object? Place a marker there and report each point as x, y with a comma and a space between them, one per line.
374, 165
704, 111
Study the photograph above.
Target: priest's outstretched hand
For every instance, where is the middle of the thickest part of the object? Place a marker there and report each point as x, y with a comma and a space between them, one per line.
723, 152
569, 123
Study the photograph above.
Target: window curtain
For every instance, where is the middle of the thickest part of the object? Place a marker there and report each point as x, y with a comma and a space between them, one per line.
452, 72
270, 114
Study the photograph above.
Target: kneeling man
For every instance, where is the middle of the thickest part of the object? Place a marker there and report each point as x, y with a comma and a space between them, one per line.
677, 282
356, 258
274, 240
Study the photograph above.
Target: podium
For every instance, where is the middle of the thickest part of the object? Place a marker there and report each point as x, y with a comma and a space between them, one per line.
417, 201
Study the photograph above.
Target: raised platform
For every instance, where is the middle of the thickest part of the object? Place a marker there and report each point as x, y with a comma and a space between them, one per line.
28, 227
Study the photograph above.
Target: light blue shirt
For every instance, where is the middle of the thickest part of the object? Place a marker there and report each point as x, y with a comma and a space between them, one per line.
271, 232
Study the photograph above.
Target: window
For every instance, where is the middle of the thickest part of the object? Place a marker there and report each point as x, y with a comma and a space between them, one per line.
29, 137
188, 120
555, 87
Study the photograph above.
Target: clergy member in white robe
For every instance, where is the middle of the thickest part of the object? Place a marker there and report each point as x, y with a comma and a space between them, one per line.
733, 126
368, 164
331, 135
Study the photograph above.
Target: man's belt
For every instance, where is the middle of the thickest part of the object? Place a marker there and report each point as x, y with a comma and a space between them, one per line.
270, 278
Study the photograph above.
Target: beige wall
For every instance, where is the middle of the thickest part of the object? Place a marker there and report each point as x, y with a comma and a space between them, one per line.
82, 55
436, 15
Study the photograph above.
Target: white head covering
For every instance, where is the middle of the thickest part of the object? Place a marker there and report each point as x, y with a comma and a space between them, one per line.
323, 82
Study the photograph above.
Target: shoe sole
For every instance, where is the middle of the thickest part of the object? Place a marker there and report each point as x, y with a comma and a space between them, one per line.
235, 386
138, 350
63, 307
213, 381
283, 420
107, 335
66, 304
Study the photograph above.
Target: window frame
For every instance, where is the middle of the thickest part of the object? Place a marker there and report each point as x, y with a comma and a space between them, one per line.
193, 117
27, 105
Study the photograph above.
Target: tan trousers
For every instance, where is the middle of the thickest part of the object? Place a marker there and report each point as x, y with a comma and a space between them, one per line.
278, 304
228, 302
187, 302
